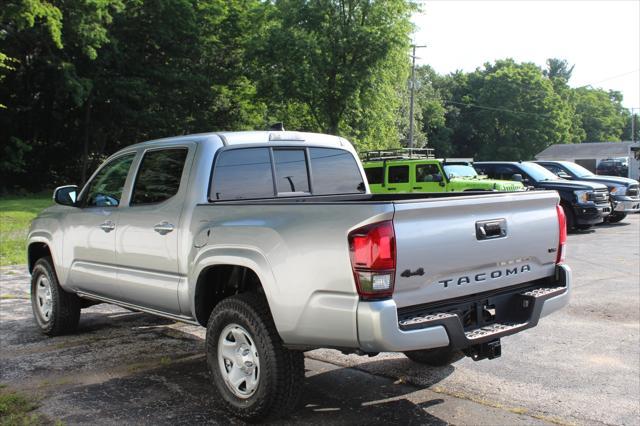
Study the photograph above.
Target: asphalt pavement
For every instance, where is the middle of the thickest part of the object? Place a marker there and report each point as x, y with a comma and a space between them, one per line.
578, 366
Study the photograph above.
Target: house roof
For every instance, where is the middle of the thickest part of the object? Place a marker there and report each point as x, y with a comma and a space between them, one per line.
588, 150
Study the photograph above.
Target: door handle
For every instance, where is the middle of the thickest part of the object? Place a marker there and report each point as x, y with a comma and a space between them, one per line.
163, 228
107, 226
391, 189
417, 187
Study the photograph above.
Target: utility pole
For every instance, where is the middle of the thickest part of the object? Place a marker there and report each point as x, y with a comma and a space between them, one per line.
413, 84
633, 124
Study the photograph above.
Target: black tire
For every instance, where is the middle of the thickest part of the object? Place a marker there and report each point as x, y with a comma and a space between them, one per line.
435, 357
616, 217
281, 374
571, 218
64, 307
583, 227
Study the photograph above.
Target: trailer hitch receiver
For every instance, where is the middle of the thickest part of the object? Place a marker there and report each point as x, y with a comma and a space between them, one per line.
489, 350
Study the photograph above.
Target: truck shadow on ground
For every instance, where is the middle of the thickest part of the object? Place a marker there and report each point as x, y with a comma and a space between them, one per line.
133, 368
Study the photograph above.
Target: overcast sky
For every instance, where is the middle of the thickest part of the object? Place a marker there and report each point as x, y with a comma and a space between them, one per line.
601, 38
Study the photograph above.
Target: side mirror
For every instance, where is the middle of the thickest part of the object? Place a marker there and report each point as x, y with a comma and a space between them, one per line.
563, 175
517, 177
437, 177
66, 195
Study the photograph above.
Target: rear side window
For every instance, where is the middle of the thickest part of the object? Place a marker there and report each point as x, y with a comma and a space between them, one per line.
375, 175
242, 173
335, 171
291, 170
426, 172
398, 174
159, 176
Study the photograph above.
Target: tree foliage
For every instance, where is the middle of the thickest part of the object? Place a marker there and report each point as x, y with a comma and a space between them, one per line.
80, 79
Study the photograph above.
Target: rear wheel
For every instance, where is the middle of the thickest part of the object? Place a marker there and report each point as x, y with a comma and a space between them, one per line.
56, 311
435, 357
256, 377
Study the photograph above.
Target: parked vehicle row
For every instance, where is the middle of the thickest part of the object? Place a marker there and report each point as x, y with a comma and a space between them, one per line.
587, 199
585, 203
624, 194
274, 243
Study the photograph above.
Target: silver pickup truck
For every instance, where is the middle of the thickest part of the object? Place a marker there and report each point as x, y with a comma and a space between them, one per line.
273, 242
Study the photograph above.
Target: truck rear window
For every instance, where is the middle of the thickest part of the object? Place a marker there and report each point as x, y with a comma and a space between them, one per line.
247, 173
291, 171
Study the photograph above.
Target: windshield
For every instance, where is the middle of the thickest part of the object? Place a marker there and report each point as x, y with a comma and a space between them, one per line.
577, 169
459, 170
537, 172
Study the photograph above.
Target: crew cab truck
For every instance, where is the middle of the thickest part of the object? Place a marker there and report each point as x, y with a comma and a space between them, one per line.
417, 170
272, 241
624, 194
585, 203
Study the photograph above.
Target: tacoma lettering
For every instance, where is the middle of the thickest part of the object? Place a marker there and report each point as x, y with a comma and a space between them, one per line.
483, 275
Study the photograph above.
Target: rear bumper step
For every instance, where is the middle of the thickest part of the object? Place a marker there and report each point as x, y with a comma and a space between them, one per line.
486, 318
470, 323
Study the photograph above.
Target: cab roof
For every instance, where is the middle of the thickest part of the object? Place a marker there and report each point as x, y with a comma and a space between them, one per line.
249, 137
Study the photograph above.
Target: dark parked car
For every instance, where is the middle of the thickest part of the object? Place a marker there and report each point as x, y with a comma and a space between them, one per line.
612, 167
623, 192
585, 203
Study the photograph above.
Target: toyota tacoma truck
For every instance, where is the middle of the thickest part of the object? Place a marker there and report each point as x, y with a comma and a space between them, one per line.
624, 193
585, 203
417, 170
273, 242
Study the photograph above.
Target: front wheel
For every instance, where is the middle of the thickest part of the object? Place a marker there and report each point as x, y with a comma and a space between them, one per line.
435, 357
616, 217
56, 312
256, 377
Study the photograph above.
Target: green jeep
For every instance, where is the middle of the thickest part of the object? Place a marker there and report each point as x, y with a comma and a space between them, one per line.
416, 170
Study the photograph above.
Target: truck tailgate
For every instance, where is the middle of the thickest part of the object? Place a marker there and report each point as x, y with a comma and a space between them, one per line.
447, 248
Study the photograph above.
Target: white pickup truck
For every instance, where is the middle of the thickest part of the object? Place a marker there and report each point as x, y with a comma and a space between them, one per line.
273, 242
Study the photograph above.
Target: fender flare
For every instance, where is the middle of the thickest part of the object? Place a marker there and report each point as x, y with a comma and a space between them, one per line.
247, 257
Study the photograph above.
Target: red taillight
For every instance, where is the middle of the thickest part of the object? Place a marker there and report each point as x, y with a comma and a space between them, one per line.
373, 259
562, 239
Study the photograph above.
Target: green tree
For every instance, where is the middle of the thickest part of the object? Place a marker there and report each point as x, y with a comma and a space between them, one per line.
601, 114
505, 111
337, 58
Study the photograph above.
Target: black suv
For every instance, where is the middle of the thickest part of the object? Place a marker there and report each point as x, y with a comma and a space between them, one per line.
585, 203
623, 192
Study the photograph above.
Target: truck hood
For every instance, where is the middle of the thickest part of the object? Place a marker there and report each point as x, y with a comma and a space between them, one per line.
610, 180
575, 185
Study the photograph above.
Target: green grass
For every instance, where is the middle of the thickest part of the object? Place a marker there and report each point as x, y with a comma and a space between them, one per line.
16, 214
16, 408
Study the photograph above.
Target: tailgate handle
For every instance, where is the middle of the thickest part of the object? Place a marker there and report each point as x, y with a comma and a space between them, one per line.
489, 229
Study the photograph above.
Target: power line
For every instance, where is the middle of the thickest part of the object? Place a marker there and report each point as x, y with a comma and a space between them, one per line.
495, 109
610, 78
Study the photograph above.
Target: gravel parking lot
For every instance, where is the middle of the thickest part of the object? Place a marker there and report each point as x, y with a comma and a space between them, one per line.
579, 366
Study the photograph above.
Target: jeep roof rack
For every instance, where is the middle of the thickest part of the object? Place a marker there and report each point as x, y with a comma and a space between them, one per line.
397, 154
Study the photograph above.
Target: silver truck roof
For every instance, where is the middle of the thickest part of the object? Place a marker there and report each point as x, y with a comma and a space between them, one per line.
249, 137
